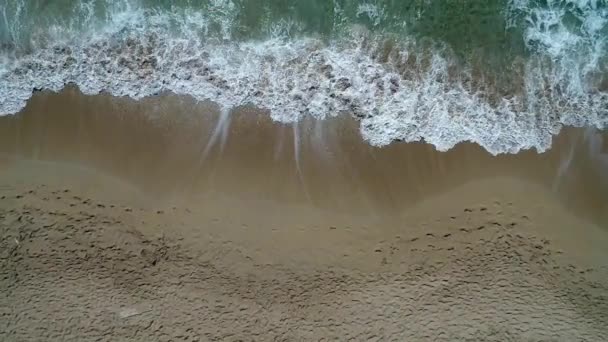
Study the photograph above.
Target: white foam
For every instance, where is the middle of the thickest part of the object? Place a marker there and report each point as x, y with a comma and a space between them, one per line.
374, 12
139, 54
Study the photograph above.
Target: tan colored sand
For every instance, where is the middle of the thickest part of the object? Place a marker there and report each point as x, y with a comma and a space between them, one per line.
112, 230
78, 268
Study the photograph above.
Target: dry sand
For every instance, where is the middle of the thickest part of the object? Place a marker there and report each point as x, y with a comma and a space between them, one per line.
117, 224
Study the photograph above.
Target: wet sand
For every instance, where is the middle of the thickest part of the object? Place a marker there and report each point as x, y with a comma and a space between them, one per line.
118, 222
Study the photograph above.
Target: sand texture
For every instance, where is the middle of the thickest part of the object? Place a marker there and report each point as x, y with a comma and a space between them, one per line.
75, 268
122, 234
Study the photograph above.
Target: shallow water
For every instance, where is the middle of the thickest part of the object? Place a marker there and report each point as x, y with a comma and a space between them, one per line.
506, 75
175, 146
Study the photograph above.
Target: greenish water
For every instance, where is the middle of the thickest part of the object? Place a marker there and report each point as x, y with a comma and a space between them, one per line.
439, 70
466, 25
491, 31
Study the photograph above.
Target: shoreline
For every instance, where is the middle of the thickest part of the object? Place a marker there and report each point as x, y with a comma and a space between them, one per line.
172, 145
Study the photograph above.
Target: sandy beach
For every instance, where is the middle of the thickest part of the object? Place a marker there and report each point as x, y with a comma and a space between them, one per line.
142, 221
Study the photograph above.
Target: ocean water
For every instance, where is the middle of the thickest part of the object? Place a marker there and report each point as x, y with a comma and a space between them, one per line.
506, 74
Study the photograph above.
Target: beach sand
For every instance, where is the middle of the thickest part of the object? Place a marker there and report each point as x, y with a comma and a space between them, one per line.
119, 223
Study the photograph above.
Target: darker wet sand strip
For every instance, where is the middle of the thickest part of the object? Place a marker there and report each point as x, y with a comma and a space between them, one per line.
162, 145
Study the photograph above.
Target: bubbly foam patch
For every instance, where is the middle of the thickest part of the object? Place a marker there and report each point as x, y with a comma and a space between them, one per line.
406, 94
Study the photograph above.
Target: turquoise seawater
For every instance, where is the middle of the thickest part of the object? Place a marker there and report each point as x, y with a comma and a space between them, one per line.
506, 74
465, 25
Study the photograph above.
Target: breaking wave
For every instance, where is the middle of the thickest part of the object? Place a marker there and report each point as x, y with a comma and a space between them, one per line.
549, 67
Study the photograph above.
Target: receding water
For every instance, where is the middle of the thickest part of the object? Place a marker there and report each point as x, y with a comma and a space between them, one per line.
506, 74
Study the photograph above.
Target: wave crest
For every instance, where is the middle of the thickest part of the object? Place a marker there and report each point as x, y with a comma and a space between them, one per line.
399, 88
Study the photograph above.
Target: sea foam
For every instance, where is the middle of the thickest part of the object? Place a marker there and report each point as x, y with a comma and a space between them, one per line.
407, 92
